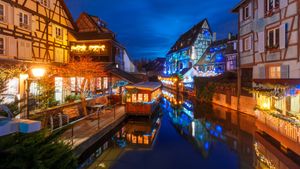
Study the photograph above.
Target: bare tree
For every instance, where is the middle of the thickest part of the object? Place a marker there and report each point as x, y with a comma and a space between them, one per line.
85, 68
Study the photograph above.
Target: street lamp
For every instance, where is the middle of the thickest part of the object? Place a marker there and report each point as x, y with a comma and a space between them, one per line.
37, 74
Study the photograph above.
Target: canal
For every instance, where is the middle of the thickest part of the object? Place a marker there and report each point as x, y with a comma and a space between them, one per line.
186, 134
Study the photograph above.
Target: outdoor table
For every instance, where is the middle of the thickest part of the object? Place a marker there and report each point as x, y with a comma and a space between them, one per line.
97, 107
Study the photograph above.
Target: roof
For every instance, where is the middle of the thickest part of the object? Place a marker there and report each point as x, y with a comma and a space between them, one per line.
224, 46
98, 28
156, 65
188, 38
125, 75
68, 13
235, 9
145, 86
93, 36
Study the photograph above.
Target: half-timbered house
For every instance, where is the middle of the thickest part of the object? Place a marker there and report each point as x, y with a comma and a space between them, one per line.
269, 53
34, 33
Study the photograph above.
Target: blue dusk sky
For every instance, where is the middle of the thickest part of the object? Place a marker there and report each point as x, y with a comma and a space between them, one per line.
148, 28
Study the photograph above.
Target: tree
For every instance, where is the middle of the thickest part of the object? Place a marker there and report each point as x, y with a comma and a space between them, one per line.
7, 72
35, 151
85, 68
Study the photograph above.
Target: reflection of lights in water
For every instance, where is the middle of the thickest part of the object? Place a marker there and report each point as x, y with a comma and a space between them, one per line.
193, 129
206, 145
188, 112
262, 158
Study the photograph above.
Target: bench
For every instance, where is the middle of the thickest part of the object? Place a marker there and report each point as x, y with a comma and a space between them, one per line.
71, 112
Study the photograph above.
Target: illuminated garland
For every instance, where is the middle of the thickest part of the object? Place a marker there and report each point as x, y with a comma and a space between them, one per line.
262, 158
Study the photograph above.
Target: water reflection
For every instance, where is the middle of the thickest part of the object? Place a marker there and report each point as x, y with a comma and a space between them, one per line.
193, 135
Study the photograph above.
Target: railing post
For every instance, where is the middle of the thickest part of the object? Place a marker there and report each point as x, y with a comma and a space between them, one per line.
115, 111
72, 135
98, 119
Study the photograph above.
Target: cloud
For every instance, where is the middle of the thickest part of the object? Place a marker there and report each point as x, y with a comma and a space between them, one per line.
148, 28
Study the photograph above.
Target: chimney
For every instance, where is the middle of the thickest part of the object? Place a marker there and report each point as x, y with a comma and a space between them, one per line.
229, 36
214, 38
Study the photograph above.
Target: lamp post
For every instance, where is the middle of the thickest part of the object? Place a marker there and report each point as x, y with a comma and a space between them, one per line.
37, 73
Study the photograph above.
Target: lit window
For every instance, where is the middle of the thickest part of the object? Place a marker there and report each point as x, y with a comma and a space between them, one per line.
99, 83
73, 83
146, 98
1, 12
134, 98
105, 83
140, 97
58, 33
274, 72
273, 38
2, 46
128, 99
24, 20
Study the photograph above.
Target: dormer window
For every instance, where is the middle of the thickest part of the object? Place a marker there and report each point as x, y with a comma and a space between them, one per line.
24, 20
1, 13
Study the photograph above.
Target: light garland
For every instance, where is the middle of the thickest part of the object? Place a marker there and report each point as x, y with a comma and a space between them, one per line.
262, 158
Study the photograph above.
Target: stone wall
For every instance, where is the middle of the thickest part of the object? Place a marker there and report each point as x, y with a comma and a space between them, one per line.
247, 104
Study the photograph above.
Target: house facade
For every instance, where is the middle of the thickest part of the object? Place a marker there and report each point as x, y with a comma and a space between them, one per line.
43, 34
220, 57
33, 33
269, 55
188, 49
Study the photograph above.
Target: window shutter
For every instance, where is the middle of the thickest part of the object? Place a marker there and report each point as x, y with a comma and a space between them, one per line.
250, 42
261, 42
17, 17
282, 34
241, 45
262, 72
261, 6
283, 3
241, 14
6, 46
284, 71
250, 10
12, 47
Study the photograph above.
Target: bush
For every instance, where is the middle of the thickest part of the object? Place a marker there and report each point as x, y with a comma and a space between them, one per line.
72, 98
35, 151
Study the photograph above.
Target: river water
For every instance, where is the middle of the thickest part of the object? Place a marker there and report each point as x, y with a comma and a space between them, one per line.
185, 134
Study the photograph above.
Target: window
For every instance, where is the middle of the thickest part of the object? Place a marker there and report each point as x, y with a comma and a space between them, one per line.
274, 72
273, 38
105, 83
45, 3
58, 33
146, 98
271, 5
24, 20
140, 97
133, 98
246, 13
128, 99
99, 83
1, 46
247, 43
1, 12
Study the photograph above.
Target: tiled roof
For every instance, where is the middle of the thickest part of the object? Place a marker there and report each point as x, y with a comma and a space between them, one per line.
188, 38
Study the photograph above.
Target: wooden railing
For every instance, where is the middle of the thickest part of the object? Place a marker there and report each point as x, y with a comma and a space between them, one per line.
281, 126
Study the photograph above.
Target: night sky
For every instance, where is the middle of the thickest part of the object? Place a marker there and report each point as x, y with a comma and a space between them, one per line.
148, 28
